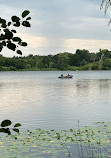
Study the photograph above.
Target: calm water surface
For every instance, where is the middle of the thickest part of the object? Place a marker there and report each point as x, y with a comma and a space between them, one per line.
41, 100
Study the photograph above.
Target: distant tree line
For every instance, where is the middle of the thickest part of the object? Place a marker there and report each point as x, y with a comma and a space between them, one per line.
80, 60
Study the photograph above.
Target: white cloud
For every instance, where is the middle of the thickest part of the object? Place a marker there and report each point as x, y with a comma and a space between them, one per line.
91, 45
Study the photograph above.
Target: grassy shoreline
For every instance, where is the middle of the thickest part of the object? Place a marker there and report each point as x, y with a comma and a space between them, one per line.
53, 69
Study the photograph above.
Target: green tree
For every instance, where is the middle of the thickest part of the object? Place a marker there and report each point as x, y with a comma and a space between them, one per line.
93, 57
74, 60
106, 64
103, 54
62, 61
2, 60
20, 64
47, 60
84, 55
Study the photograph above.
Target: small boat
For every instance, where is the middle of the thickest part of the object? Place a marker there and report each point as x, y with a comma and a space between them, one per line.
65, 76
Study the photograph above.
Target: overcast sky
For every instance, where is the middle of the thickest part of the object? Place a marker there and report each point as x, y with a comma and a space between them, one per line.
60, 25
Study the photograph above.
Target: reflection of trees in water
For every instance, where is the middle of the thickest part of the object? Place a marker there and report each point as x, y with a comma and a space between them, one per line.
104, 83
1, 84
104, 86
78, 87
93, 85
101, 83
83, 83
82, 87
66, 87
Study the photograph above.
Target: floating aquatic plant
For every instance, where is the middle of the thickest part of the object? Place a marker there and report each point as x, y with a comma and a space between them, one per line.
82, 142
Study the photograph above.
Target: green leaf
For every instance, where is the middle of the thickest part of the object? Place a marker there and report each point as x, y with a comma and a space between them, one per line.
17, 24
9, 23
23, 44
29, 18
15, 19
71, 130
2, 130
2, 37
17, 125
16, 130
3, 21
4, 25
4, 43
58, 135
19, 52
26, 24
14, 31
16, 39
6, 30
6, 123
25, 13
1, 44
11, 46
8, 35
1, 48
7, 130
8, 41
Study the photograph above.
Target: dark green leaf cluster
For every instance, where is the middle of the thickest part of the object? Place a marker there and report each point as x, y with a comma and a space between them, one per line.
5, 127
8, 36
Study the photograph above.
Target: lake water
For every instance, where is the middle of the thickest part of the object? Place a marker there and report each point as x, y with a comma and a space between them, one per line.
41, 100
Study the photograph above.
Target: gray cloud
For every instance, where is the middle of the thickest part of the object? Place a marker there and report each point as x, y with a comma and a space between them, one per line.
60, 20
71, 19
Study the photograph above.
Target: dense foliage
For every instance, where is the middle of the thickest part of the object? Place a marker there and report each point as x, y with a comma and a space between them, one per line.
80, 60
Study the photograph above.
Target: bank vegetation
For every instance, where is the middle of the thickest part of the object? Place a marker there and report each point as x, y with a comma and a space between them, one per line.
79, 60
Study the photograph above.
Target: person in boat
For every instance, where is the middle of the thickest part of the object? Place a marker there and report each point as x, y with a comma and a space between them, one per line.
62, 75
